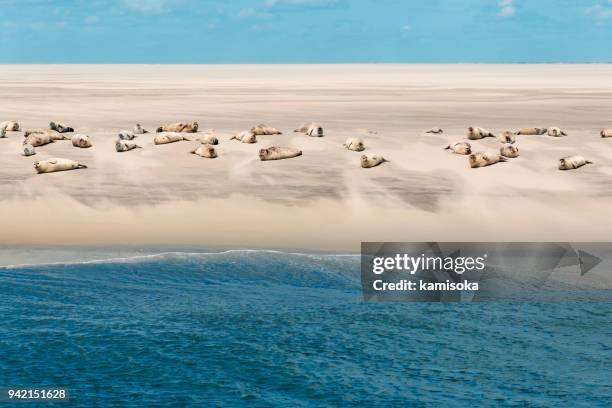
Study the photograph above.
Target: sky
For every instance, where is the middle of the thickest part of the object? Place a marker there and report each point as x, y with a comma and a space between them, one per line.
305, 31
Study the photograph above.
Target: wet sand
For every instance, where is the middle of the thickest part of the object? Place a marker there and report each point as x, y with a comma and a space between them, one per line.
323, 200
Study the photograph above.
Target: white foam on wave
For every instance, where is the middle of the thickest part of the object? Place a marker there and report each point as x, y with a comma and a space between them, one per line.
176, 254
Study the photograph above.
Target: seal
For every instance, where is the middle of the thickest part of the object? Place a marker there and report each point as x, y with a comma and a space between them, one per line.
509, 151
205, 150
507, 137
310, 129
125, 145
572, 162
371, 160
28, 150
435, 130
475, 133
10, 125
2, 133
460, 148
209, 139
555, 132
484, 159
60, 127
261, 130
126, 135
168, 137
606, 133
81, 141
191, 127
139, 130
53, 165
37, 139
278, 153
52, 134
355, 144
531, 131
245, 137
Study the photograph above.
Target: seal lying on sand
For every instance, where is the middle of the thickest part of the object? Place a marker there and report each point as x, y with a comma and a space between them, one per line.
435, 130
60, 127
311, 129
179, 127
245, 137
371, 160
509, 151
209, 139
28, 150
555, 132
460, 147
37, 139
126, 135
572, 162
168, 137
484, 159
81, 141
507, 137
139, 130
355, 144
10, 126
278, 153
262, 129
475, 133
606, 133
53, 165
125, 146
52, 134
531, 131
205, 150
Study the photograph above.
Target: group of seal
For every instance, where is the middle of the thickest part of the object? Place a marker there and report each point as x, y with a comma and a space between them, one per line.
508, 150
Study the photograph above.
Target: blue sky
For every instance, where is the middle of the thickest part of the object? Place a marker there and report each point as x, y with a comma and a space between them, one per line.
305, 31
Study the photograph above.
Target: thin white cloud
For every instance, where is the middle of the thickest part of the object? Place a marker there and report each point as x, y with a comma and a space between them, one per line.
150, 6
506, 8
600, 11
407, 27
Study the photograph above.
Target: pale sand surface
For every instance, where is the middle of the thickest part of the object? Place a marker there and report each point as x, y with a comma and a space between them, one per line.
161, 195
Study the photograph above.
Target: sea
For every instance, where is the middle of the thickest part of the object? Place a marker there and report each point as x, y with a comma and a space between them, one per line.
279, 329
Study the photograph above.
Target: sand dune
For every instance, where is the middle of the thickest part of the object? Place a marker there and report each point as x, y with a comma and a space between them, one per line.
162, 195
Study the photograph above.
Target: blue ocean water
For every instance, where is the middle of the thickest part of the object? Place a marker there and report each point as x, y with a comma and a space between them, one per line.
254, 328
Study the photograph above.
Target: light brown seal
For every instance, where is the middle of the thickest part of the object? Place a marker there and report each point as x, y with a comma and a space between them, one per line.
81, 141
476, 133
209, 139
168, 137
460, 148
555, 132
507, 137
355, 144
606, 133
205, 150
533, 131
191, 127
371, 160
509, 151
53, 165
481, 159
572, 162
245, 137
311, 129
262, 129
10, 125
37, 139
278, 153
52, 134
